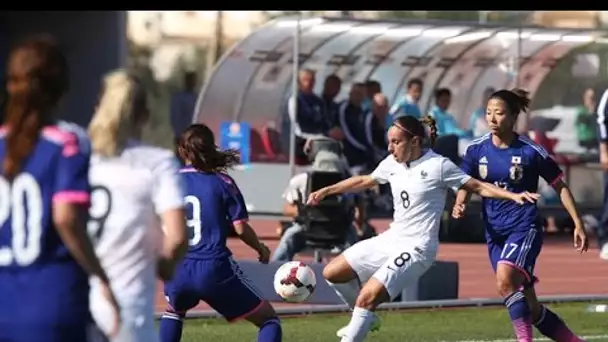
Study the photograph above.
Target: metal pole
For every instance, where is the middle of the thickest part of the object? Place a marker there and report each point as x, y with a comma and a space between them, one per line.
294, 96
519, 51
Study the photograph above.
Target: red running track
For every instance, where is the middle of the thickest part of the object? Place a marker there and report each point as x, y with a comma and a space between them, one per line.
560, 268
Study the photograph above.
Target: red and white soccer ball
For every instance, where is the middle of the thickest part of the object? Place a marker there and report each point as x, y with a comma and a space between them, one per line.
295, 282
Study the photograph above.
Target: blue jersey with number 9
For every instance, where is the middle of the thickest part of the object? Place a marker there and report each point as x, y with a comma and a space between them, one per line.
213, 204
41, 285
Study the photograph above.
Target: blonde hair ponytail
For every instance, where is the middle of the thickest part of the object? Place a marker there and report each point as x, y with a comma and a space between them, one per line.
113, 121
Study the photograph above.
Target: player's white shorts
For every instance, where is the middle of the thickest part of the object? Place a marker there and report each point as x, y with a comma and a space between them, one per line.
137, 320
396, 264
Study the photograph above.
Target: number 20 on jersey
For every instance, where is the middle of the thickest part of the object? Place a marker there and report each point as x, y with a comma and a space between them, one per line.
21, 201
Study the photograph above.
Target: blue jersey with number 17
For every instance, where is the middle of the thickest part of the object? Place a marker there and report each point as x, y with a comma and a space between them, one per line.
515, 168
213, 203
41, 285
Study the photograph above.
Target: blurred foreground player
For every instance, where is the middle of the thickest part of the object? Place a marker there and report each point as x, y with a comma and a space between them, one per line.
514, 232
136, 188
44, 197
208, 271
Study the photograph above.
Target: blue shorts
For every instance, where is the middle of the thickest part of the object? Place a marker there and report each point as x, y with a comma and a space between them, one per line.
48, 303
220, 283
517, 249
58, 333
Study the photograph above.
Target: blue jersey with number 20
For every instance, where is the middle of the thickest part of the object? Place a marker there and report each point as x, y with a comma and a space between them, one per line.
43, 291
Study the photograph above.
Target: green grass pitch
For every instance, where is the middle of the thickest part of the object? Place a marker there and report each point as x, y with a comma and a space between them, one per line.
468, 324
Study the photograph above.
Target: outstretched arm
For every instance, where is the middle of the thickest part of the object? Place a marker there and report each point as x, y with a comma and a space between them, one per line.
492, 191
455, 178
352, 184
463, 196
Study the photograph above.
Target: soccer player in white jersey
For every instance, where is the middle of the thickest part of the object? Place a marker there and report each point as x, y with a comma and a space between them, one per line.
389, 262
136, 193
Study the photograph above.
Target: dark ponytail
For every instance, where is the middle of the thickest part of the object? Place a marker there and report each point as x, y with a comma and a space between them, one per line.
517, 100
430, 121
37, 79
197, 145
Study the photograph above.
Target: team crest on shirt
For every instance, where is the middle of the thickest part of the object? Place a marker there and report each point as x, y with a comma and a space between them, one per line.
423, 174
483, 167
516, 172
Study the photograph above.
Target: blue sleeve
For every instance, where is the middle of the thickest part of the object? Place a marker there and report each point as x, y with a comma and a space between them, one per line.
415, 111
547, 167
468, 161
396, 108
236, 210
72, 173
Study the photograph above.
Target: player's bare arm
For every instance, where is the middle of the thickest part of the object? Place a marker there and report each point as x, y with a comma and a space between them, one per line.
175, 243
462, 198
352, 184
70, 223
250, 238
492, 191
581, 243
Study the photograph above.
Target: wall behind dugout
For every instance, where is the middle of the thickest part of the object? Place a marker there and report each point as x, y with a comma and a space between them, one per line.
94, 42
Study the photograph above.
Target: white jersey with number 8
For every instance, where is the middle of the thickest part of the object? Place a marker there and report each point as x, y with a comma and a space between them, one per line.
408, 248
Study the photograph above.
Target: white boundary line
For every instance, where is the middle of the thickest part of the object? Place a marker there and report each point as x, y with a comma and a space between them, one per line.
587, 338
431, 304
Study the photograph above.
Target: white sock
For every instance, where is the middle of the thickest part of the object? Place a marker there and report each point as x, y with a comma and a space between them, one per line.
348, 291
359, 325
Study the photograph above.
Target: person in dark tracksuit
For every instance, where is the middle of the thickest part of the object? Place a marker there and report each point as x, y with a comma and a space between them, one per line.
375, 127
351, 120
310, 117
331, 89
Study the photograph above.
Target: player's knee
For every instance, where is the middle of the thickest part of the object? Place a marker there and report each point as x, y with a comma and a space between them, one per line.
263, 315
338, 271
370, 297
505, 285
329, 273
171, 313
508, 280
365, 300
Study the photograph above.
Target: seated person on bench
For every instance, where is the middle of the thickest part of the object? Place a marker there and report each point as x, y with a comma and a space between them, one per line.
293, 241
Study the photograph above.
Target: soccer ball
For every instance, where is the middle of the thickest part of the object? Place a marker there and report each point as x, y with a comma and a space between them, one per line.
294, 282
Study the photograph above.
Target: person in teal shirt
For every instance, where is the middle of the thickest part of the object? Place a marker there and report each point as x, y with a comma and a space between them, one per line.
408, 103
586, 121
478, 125
446, 123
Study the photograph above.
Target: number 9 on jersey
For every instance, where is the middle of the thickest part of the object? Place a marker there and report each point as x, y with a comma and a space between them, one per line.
194, 223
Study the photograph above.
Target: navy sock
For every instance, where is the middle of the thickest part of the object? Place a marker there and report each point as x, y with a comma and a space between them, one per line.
550, 325
171, 324
270, 331
519, 312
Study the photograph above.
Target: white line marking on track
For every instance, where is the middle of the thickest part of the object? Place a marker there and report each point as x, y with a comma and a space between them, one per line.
587, 338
